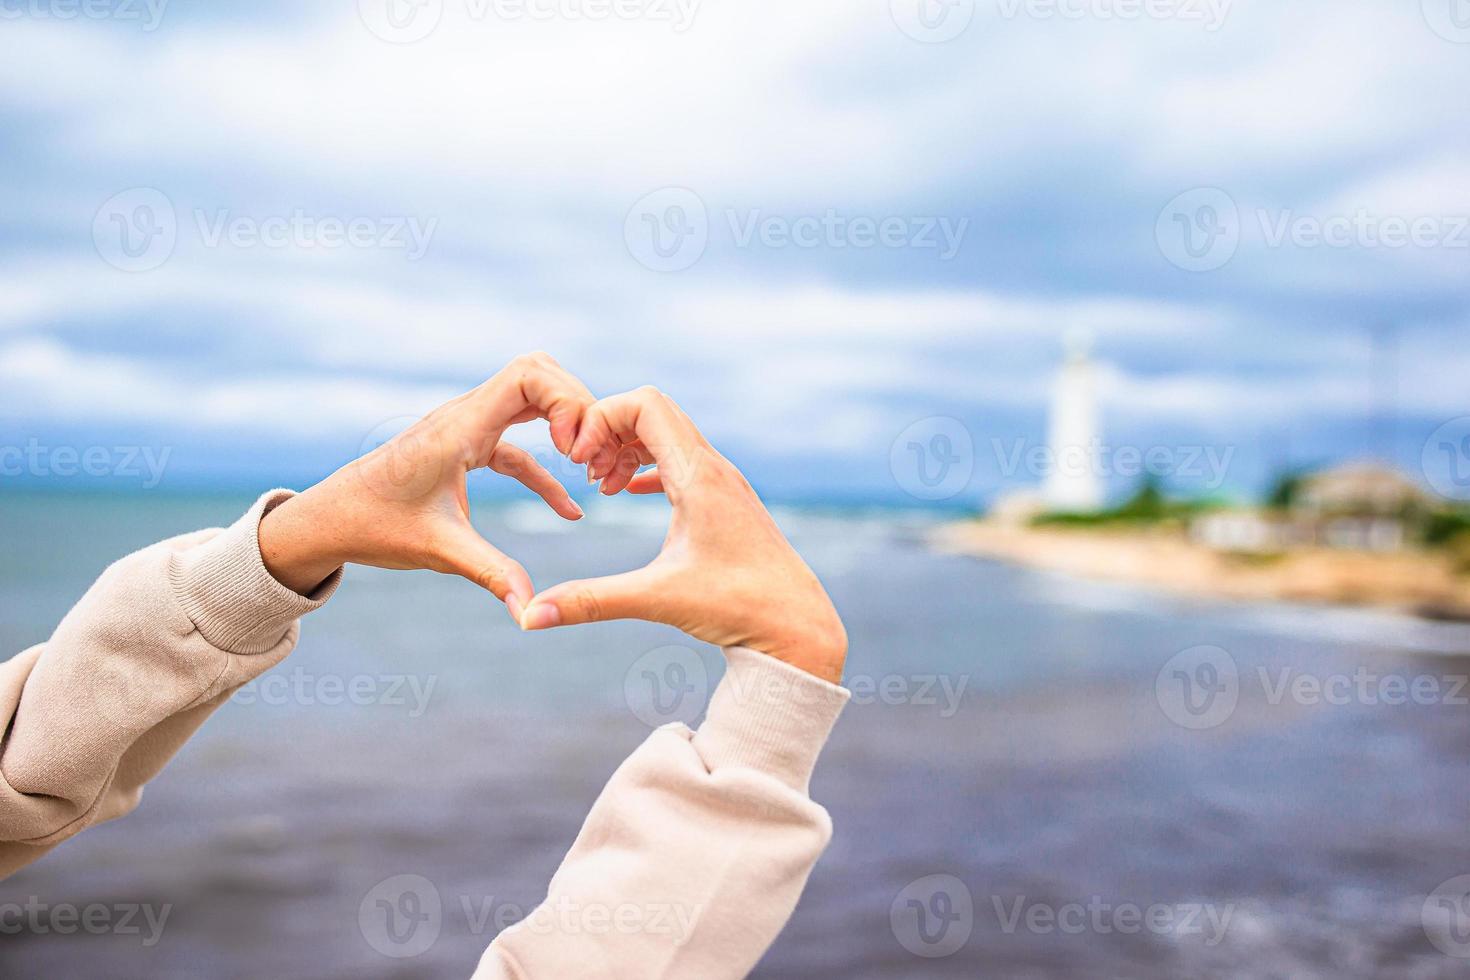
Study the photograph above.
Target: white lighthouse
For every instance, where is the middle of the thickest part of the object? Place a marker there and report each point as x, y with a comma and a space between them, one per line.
1073, 482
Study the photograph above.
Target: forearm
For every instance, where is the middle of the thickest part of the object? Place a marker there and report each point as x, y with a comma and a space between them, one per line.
696, 853
162, 638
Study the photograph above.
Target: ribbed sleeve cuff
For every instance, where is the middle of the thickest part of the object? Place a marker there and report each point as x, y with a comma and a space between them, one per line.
225, 589
770, 716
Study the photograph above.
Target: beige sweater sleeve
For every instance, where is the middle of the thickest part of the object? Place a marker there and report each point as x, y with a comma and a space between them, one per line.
688, 866
695, 854
162, 638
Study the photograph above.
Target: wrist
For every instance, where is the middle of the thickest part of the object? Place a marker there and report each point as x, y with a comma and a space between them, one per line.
823, 664
297, 543
820, 651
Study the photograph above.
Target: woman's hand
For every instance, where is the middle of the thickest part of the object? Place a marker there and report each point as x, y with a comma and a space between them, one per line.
403, 505
725, 574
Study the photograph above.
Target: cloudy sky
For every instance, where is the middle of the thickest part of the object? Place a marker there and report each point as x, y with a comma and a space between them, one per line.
255, 237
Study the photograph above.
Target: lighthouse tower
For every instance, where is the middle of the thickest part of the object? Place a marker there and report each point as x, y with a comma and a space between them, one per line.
1073, 483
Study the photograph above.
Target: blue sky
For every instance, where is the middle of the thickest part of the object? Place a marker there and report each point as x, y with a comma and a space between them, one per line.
500, 169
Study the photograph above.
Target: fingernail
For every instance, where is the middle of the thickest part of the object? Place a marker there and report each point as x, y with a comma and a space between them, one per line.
590, 478
604, 490
513, 605
578, 508
541, 617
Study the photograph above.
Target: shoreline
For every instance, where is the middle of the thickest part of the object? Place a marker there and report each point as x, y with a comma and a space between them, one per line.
1417, 583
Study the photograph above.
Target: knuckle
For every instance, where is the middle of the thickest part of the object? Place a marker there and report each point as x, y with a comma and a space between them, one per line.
509, 461
524, 363
649, 393
491, 577
585, 603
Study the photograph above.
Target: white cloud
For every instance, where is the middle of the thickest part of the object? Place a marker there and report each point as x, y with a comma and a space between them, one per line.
46, 380
530, 140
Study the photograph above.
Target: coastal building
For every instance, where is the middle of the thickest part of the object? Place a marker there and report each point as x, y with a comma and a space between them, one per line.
1353, 507
1073, 484
1244, 531
1360, 489
1359, 506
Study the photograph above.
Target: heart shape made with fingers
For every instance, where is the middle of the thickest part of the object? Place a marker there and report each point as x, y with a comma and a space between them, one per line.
725, 573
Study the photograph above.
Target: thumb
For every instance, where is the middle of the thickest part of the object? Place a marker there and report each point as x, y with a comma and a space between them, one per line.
630, 595
466, 554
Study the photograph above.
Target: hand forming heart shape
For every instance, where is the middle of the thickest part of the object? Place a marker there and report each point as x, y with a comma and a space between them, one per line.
725, 574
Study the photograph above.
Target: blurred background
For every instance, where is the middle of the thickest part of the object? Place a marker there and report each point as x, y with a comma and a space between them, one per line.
1106, 359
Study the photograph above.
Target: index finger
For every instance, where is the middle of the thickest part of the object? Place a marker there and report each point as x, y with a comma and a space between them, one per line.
650, 417
538, 384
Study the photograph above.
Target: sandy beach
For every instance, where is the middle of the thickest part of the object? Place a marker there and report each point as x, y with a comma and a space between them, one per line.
1418, 582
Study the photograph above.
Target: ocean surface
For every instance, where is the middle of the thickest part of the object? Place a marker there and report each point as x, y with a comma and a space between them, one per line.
1038, 777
